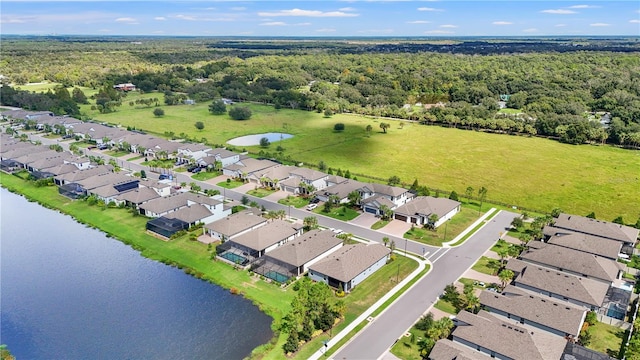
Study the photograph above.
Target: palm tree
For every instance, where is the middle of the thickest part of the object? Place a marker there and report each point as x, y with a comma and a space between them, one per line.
505, 277
384, 127
354, 198
503, 253
482, 194
385, 240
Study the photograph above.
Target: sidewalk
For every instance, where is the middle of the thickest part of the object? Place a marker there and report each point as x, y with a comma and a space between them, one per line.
468, 229
421, 265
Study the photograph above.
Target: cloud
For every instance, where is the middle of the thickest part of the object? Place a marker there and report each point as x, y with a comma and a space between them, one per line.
428, 9
347, 9
274, 23
438, 32
583, 7
558, 11
634, 21
599, 24
127, 20
307, 13
418, 22
449, 26
160, 18
86, 17
530, 30
302, 24
560, 25
326, 30
502, 23
198, 18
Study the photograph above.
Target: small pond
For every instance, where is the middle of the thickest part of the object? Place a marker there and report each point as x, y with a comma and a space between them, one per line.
249, 140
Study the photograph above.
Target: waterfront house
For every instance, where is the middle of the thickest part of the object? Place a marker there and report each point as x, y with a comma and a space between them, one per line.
234, 225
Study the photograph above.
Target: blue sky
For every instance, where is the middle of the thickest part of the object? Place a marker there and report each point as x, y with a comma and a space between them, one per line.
321, 18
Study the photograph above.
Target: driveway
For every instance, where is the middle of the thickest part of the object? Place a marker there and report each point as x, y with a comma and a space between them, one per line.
217, 179
365, 220
244, 188
278, 195
396, 228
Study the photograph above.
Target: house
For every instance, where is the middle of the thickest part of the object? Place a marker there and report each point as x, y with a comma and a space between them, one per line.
272, 176
583, 242
223, 156
124, 87
449, 350
136, 197
350, 265
17, 152
168, 204
608, 230
559, 318
397, 195
422, 208
341, 190
234, 225
294, 258
247, 166
193, 214
27, 159
309, 177
162, 188
572, 261
257, 242
502, 339
79, 175
190, 151
588, 293
166, 227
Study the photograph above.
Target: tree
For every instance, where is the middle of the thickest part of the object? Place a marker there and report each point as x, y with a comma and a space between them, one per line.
451, 294
338, 127
505, 277
385, 212
591, 215
618, 220
310, 223
384, 126
244, 200
368, 129
394, 180
218, 107
524, 238
158, 112
556, 212
199, 125
240, 113
385, 240
503, 253
354, 198
453, 196
78, 96
517, 222
264, 142
482, 194
328, 112
322, 166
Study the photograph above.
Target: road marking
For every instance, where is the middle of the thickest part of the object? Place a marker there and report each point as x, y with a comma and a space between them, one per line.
446, 251
434, 254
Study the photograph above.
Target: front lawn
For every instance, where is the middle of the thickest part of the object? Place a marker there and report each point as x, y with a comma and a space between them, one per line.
117, 153
406, 348
260, 192
487, 266
445, 306
205, 175
445, 232
295, 201
379, 224
230, 184
342, 213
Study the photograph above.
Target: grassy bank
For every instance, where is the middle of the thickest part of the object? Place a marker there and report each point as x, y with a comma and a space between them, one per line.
529, 172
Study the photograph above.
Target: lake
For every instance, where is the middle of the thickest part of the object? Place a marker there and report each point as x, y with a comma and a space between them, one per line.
249, 140
69, 292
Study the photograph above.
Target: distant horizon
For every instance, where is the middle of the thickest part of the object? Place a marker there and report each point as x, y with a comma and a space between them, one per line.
430, 37
322, 19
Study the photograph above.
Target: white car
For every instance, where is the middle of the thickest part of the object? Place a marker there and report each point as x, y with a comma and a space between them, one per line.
312, 206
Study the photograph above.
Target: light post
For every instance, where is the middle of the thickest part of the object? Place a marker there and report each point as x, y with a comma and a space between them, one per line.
446, 224
405, 247
289, 211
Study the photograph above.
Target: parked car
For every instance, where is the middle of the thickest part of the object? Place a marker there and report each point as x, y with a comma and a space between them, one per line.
314, 201
196, 170
165, 177
312, 206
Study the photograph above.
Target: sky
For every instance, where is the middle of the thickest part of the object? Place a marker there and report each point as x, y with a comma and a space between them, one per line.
321, 18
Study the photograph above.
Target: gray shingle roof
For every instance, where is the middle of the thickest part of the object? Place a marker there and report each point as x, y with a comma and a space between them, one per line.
588, 291
427, 205
85, 174
506, 338
387, 189
267, 235
190, 214
305, 248
167, 203
584, 242
99, 180
236, 223
448, 350
533, 308
306, 173
138, 196
597, 227
351, 260
343, 189
575, 261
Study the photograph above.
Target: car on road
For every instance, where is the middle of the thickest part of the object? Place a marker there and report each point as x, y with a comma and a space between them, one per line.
314, 201
165, 177
312, 206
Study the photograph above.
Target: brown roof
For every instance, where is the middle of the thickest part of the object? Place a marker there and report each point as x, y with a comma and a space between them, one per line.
584, 242
267, 235
343, 189
586, 290
383, 189
190, 214
506, 338
176, 201
139, 195
85, 174
306, 247
306, 173
427, 205
595, 227
111, 179
236, 223
351, 260
448, 350
574, 261
533, 308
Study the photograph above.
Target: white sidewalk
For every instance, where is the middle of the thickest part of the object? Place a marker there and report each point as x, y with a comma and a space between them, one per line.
468, 229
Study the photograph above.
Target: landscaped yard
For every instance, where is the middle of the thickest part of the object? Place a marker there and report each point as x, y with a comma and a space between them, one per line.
452, 228
205, 175
606, 339
295, 201
117, 153
343, 213
594, 178
445, 306
230, 184
487, 265
260, 192
406, 348
379, 224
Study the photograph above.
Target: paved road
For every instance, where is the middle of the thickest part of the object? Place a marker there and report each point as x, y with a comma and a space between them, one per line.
448, 265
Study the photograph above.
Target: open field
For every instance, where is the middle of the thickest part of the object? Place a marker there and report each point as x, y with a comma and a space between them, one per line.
533, 172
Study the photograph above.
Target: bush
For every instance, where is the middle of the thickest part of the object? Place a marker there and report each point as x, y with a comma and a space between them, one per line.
264, 142
340, 293
591, 318
157, 112
240, 113
338, 127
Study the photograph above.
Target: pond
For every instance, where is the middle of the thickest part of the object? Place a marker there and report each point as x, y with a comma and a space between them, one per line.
249, 140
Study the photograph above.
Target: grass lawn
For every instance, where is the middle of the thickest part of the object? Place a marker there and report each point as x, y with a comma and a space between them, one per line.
117, 153
230, 185
594, 178
379, 224
205, 175
486, 265
406, 348
295, 201
445, 306
342, 213
453, 227
606, 339
500, 244
509, 111
260, 192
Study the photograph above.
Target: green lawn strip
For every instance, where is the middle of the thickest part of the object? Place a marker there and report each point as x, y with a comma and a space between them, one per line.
260, 192
445, 306
116, 153
475, 228
453, 228
486, 265
606, 338
205, 175
379, 224
379, 310
343, 213
590, 181
230, 185
406, 347
500, 244
295, 201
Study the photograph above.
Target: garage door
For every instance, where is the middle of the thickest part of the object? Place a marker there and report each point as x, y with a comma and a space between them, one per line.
400, 217
370, 210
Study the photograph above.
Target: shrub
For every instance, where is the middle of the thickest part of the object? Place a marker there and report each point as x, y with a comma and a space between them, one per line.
338, 127
240, 113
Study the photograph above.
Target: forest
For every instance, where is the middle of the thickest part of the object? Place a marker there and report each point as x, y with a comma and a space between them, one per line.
579, 91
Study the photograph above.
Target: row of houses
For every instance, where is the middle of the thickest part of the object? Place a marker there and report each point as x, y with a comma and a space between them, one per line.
279, 250
557, 281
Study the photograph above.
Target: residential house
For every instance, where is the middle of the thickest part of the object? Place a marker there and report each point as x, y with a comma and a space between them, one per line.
191, 151
622, 233
559, 318
391, 196
422, 208
583, 242
449, 350
223, 156
124, 87
168, 204
294, 258
272, 176
79, 175
316, 180
341, 190
234, 225
162, 188
245, 167
137, 196
107, 186
350, 265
